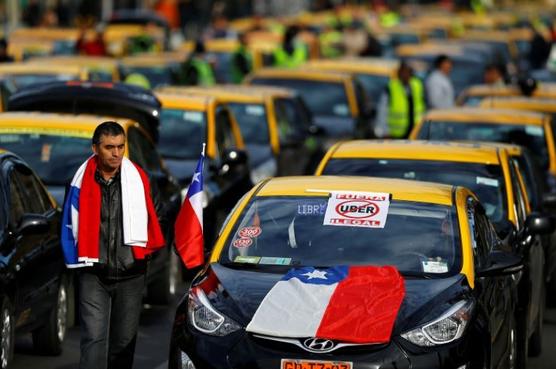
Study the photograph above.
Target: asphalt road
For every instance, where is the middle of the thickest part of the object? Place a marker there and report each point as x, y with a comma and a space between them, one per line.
154, 338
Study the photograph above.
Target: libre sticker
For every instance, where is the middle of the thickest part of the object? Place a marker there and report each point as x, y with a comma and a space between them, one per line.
435, 267
255, 110
311, 209
247, 259
193, 116
534, 131
250, 232
242, 243
487, 181
275, 261
357, 209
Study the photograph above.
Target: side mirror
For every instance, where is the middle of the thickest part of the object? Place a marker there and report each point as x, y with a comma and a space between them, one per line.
540, 224
234, 157
549, 200
32, 224
501, 263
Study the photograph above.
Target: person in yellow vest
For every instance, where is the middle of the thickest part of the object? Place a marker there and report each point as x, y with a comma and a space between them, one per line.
331, 42
401, 105
291, 53
196, 70
242, 61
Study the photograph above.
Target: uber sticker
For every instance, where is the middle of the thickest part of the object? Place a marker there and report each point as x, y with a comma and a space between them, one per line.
357, 209
242, 243
487, 181
250, 232
435, 267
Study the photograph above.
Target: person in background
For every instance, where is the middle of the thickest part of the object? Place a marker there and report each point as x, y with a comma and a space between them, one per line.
196, 70
4, 57
291, 53
494, 75
439, 87
242, 63
401, 105
94, 47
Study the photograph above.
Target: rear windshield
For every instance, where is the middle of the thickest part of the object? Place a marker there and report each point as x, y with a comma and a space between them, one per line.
253, 122
181, 133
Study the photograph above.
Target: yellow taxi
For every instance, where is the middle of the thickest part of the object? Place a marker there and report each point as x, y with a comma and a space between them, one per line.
336, 100
118, 37
159, 68
97, 68
274, 125
55, 145
473, 95
26, 42
501, 41
537, 104
530, 129
373, 73
489, 171
301, 236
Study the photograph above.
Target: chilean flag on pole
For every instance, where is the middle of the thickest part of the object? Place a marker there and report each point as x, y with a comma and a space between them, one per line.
356, 304
188, 229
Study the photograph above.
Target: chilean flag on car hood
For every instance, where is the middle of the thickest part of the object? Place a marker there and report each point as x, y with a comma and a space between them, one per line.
351, 304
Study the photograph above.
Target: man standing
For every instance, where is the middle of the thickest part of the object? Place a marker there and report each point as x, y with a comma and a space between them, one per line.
401, 106
440, 91
110, 228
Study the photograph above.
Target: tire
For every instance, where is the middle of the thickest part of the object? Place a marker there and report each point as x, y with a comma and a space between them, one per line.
7, 327
162, 290
48, 339
535, 342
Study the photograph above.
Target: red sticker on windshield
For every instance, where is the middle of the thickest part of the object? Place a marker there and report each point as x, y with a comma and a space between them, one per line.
241, 243
250, 232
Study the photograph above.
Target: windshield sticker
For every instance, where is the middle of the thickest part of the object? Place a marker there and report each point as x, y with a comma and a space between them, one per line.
249, 232
435, 267
487, 181
409, 175
311, 209
357, 209
247, 259
341, 109
45, 153
255, 110
193, 116
534, 131
383, 162
9, 138
242, 243
275, 261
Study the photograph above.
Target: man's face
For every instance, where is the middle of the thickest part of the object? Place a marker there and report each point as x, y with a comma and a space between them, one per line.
446, 67
110, 151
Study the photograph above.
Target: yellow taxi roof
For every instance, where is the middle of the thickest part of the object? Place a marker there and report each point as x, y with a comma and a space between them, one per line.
184, 100
232, 93
153, 60
28, 68
544, 90
379, 66
78, 60
301, 73
417, 150
82, 125
537, 104
400, 189
429, 48
473, 114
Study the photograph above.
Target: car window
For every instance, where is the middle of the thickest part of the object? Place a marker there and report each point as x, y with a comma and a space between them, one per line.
480, 231
519, 198
224, 135
253, 122
181, 133
37, 200
16, 200
290, 126
142, 151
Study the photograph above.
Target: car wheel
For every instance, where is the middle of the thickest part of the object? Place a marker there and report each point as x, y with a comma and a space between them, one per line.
7, 325
162, 290
48, 339
535, 342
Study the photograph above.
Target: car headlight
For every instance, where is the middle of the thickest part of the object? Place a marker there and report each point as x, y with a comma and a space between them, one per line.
449, 327
263, 171
205, 318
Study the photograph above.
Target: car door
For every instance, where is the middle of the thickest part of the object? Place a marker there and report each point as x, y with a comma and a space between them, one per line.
39, 262
495, 293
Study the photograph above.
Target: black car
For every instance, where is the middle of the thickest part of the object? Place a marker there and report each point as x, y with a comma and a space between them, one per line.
36, 289
459, 294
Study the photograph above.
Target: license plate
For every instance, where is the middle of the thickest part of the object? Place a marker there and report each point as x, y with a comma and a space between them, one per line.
311, 364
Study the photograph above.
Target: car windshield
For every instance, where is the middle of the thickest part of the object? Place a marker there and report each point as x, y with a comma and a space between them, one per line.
55, 157
322, 98
253, 123
157, 76
21, 81
529, 136
181, 133
374, 85
486, 181
290, 231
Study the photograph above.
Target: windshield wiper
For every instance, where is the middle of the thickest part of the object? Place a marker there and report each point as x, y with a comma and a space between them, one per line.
235, 265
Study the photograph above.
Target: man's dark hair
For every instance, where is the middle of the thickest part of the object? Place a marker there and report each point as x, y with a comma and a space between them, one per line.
108, 128
440, 59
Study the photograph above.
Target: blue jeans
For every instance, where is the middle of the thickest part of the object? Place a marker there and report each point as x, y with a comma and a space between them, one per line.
109, 312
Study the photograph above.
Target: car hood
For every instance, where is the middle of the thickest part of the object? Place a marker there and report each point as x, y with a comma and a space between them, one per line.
238, 294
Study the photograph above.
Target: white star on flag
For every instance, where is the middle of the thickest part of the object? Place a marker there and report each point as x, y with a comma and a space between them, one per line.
320, 274
196, 177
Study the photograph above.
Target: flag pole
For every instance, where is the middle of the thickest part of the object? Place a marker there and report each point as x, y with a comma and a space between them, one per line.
204, 146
